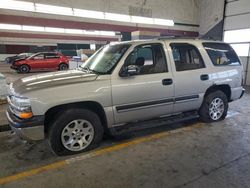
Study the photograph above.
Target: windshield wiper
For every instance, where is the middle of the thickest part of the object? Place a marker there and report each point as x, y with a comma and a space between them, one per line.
88, 70
96, 72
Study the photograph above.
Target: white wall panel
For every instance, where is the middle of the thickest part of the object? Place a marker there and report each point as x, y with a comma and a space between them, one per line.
236, 27
238, 7
244, 62
237, 22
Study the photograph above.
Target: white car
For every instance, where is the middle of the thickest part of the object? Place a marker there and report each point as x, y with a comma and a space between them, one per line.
122, 85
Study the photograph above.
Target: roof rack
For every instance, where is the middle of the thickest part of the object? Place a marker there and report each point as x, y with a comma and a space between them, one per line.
186, 37
175, 37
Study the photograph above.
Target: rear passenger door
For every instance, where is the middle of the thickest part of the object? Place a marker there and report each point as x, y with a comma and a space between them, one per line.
190, 76
52, 60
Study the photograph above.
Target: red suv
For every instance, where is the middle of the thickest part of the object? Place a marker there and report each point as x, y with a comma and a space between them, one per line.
42, 61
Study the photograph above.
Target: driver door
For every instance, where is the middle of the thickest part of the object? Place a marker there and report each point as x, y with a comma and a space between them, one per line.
149, 93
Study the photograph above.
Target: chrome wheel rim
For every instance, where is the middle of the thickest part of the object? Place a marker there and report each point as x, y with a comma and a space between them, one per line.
77, 135
216, 108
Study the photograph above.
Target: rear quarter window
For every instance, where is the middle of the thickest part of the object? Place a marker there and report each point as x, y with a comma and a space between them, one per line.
221, 54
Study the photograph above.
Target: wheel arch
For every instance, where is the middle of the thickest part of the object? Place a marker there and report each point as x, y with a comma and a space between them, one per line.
63, 63
96, 107
24, 64
226, 89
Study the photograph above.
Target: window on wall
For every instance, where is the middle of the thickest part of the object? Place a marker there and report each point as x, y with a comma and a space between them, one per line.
241, 49
235, 36
186, 57
239, 40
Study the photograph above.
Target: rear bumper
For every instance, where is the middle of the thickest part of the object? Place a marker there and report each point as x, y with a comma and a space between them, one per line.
242, 93
29, 129
237, 93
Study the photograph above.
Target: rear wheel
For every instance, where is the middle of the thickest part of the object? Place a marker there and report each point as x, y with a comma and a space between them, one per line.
63, 66
214, 107
24, 69
75, 131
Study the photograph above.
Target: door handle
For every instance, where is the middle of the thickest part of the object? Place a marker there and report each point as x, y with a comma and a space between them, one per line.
167, 81
204, 77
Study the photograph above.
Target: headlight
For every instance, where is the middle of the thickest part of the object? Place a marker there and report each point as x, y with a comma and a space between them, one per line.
21, 107
20, 101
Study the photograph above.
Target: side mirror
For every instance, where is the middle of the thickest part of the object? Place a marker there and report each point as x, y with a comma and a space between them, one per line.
130, 70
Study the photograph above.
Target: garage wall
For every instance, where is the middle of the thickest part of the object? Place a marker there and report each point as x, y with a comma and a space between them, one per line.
237, 31
211, 18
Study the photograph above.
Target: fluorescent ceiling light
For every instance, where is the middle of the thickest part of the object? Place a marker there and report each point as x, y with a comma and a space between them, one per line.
143, 20
92, 47
91, 32
68, 11
32, 28
54, 30
88, 13
17, 5
117, 17
242, 35
51, 9
74, 31
241, 49
107, 33
165, 22
10, 27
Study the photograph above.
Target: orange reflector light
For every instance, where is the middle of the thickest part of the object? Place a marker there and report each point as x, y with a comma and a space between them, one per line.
26, 115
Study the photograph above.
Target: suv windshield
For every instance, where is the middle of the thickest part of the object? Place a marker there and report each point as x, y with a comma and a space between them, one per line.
105, 60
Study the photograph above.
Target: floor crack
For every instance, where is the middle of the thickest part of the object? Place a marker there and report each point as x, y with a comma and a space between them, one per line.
213, 170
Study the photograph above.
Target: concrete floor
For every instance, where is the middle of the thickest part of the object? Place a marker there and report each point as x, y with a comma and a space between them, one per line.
191, 154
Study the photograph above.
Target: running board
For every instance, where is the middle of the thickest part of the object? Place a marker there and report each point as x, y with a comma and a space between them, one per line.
142, 125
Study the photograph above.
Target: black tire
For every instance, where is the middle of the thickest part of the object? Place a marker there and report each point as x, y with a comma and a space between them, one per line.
63, 66
204, 111
63, 119
24, 69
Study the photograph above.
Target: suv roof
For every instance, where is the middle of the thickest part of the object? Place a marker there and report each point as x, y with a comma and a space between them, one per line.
170, 39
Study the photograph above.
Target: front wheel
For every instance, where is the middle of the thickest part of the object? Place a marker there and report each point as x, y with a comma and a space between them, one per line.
24, 69
75, 131
214, 107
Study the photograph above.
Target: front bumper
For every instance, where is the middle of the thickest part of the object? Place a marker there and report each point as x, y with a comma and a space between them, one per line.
31, 129
14, 67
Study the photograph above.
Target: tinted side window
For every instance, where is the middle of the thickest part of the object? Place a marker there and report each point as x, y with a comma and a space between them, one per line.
38, 56
150, 58
186, 57
51, 55
221, 54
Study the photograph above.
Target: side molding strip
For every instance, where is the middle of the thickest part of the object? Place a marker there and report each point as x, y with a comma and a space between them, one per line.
141, 105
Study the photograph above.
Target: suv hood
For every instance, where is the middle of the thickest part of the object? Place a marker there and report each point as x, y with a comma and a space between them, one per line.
51, 79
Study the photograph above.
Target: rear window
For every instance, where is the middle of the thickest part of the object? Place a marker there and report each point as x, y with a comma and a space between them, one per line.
221, 54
